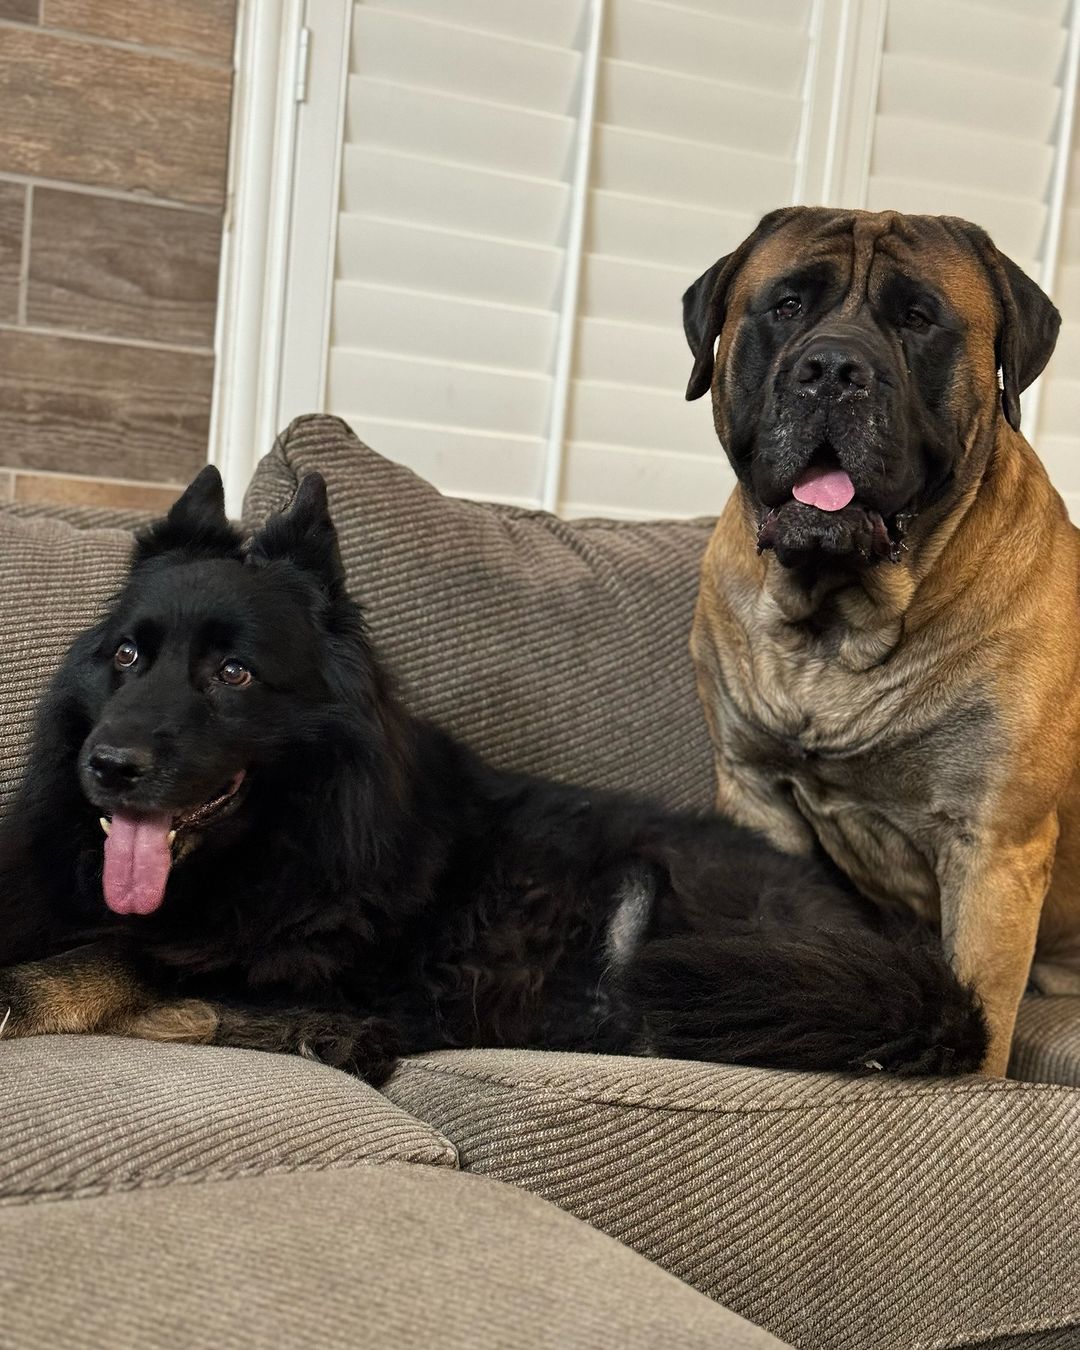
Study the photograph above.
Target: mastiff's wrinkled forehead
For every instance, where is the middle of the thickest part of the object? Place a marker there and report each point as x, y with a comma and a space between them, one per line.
853, 359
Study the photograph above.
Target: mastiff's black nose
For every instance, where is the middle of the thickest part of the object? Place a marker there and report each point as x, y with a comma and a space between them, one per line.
832, 368
117, 767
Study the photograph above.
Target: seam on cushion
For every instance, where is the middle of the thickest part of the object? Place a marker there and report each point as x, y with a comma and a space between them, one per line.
977, 1338
127, 1183
988, 1089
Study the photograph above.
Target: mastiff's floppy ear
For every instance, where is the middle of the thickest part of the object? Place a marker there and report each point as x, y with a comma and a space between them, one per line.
705, 303
1029, 326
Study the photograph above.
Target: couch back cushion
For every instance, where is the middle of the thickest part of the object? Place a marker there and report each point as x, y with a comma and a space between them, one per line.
551, 646
56, 577
556, 647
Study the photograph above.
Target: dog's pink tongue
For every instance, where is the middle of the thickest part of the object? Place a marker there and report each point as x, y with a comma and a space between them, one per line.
137, 862
827, 489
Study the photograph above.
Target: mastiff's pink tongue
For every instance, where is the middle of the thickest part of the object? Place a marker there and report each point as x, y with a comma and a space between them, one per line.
137, 862
827, 489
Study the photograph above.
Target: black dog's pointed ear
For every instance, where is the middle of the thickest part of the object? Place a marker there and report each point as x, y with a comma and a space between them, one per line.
705, 303
1029, 326
196, 523
305, 535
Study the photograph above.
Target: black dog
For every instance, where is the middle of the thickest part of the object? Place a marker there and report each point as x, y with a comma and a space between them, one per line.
290, 861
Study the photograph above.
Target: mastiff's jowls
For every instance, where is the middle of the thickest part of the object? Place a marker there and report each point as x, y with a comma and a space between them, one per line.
887, 637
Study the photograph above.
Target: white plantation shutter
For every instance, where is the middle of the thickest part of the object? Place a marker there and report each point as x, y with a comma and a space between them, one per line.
1057, 435
459, 128
519, 191
461, 120
967, 109
682, 171
970, 115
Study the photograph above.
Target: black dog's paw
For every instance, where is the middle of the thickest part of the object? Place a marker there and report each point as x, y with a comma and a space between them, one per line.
365, 1046
20, 1013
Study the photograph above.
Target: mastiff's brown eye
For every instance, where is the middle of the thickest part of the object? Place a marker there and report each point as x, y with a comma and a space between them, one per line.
788, 308
126, 655
234, 674
916, 320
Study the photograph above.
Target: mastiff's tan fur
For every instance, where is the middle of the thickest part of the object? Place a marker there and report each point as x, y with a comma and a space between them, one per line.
905, 690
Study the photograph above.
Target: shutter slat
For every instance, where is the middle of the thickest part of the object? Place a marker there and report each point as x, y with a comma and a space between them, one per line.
453, 394
395, 253
710, 46
609, 480
552, 22
418, 51
936, 93
999, 40
451, 196
1059, 414
633, 353
633, 292
641, 98
441, 327
685, 173
906, 147
457, 129
624, 414
467, 462
689, 237
1015, 223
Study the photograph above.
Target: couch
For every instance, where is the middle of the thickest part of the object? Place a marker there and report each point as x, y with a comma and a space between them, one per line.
190, 1196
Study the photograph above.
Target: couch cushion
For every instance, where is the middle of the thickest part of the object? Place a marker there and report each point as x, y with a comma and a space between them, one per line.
87, 1114
392, 1258
1046, 1047
55, 579
550, 646
837, 1212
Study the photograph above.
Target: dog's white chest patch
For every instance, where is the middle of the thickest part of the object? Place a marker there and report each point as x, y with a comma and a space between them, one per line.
633, 910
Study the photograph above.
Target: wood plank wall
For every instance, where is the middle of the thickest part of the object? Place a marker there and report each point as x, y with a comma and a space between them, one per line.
114, 128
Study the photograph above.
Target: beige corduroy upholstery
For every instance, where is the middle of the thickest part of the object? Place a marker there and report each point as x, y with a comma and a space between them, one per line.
836, 1212
393, 1258
866, 1215
550, 646
87, 1114
55, 579
1046, 1047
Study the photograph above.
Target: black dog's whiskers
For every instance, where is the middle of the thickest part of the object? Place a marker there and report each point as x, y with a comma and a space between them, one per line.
354, 882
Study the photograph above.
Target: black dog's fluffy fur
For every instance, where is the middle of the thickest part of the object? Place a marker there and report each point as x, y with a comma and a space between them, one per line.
377, 868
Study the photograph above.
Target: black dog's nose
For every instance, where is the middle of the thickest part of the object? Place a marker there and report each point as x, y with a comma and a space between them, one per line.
118, 766
830, 368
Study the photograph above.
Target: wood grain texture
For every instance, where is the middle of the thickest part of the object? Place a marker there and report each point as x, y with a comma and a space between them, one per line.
21, 11
89, 113
202, 27
57, 489
122, 268
12, 209
73, 405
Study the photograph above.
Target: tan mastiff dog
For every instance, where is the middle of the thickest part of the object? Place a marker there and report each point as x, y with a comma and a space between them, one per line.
887, 637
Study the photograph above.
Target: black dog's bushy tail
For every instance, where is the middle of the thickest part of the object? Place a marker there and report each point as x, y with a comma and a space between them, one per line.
848, 1001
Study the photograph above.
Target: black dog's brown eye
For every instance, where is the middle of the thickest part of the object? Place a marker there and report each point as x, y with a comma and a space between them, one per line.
788, 308
916, 320
234, 674
126, 655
